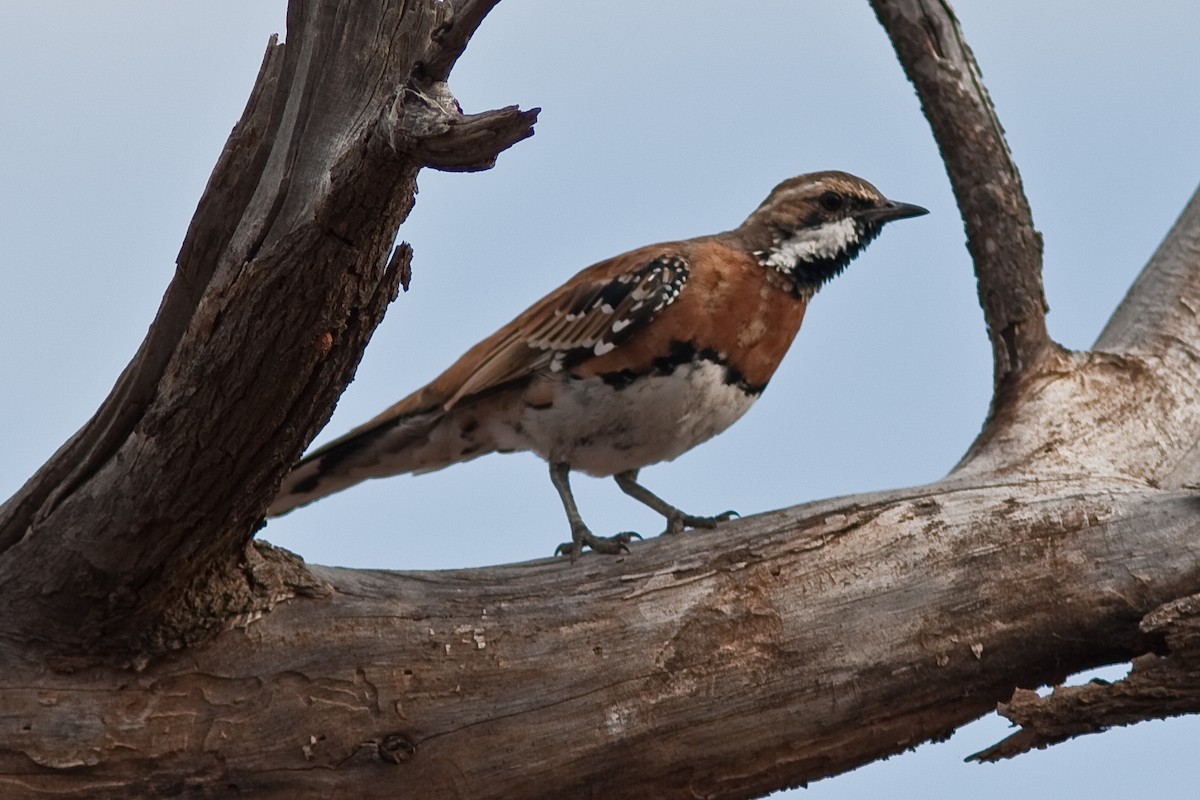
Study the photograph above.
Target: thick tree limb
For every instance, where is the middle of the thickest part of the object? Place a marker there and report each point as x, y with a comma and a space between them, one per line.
1005, 247
777, 650
229, 188
1141, 384
722, 664
1160, 318
288, 251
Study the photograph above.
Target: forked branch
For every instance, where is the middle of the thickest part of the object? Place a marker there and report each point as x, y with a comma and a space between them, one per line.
779, 649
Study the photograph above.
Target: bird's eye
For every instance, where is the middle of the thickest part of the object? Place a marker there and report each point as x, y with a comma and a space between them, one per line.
831, 201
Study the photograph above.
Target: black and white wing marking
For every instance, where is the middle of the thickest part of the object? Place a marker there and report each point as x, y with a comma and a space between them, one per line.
595, 317
583, 318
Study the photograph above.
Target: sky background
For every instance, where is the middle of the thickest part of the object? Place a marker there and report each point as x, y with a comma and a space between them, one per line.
660, 120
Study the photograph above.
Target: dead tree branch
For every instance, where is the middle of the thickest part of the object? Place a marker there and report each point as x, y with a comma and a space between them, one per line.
786, 648
1004, 245
1159, 312
282, 278
149, 648
1158, 686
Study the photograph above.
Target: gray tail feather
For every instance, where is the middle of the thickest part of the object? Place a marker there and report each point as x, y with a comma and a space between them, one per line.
420, 442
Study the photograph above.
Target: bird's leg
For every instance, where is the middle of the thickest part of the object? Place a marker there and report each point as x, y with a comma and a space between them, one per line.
580, 534
677, 520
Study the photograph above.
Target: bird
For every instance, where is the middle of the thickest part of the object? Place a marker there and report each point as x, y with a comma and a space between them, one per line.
633, 361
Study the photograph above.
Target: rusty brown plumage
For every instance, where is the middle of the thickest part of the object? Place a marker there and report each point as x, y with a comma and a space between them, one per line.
633, 360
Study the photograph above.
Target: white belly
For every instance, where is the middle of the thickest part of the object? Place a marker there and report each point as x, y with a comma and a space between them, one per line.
604, 430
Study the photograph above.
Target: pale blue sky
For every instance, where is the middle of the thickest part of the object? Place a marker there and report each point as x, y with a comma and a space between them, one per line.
661, 120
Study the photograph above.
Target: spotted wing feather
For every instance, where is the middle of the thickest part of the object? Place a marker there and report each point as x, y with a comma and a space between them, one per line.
586, 318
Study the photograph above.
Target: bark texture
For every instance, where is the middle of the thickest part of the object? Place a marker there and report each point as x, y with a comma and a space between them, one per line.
1003, 243
789, 647
1158, 685
152, 649
283, 275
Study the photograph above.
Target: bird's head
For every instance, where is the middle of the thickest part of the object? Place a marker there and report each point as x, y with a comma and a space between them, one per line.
812, 226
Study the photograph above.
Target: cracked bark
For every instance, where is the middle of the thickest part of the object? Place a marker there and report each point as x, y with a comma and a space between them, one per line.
152, 649
288, 250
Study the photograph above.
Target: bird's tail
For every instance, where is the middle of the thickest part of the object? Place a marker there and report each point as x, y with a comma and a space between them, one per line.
419, 442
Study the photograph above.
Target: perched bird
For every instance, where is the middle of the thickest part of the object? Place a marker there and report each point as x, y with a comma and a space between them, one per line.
633, 361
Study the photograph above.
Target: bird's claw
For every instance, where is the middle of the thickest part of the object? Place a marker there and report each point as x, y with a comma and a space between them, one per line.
680, 523
609, 545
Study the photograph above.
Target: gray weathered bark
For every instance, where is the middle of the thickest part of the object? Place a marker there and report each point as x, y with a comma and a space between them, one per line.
151, 649
282, 277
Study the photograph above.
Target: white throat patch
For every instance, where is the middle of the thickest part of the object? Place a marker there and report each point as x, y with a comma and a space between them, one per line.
812, 244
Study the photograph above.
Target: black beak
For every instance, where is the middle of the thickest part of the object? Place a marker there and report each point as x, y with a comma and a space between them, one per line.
891, 210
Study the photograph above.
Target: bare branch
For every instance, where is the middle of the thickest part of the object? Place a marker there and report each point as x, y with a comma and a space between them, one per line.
778, 650
289, 251
453, 34
232, 182
1003, 243
1157, 687
719, 664
1089, 416
1160, 313
429, 124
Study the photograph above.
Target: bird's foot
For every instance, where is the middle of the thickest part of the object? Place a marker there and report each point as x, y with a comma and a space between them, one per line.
678, 523
609, 545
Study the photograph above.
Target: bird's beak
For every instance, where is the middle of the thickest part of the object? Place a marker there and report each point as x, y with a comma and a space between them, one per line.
892, 210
